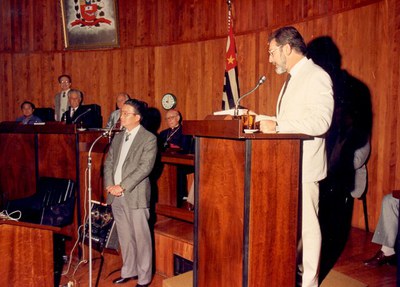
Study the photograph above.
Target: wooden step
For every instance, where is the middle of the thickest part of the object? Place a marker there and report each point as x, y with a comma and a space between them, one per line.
172, 237
175, 212
181, 280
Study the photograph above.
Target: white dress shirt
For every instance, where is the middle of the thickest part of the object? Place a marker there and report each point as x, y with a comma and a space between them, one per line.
126, 144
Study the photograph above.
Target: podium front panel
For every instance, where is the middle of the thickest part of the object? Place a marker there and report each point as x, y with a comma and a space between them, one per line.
221, 213
273, 212
246, 218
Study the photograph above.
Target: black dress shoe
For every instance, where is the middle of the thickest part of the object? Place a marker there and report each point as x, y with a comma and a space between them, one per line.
140, 285
121, 280
380, 259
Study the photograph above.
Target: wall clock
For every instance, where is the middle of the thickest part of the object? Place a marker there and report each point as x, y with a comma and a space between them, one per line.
168, 101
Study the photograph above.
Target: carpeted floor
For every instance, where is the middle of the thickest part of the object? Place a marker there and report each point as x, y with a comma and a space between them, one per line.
333, 279
337, 279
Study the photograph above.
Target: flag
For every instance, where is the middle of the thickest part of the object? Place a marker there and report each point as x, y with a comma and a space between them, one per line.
230, 92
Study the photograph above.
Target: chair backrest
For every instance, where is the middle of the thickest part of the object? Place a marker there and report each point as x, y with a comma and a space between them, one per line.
55, 190
58, 200
95, 114
45, 114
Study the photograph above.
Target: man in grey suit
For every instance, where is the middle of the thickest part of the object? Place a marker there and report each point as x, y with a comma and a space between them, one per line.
128, 164
116, 115
386, 232
61, 103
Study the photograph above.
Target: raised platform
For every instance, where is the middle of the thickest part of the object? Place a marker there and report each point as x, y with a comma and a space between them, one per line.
172, 237
181, 280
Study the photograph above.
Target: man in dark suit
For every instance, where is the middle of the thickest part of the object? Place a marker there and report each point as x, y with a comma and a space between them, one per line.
128, 164
76, 113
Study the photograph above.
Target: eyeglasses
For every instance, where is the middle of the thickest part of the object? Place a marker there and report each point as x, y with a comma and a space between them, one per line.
271, 52
125, 114
64, 82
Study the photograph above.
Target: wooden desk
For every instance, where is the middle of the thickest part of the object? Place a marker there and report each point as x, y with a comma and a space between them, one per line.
167, 186
53, 150
27, 254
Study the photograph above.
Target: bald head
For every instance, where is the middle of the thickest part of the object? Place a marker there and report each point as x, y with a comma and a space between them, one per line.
173, 118
121, 99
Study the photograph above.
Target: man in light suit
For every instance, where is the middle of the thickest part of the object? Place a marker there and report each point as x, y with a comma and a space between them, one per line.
116, 115
128, 164
61, 103
305, 105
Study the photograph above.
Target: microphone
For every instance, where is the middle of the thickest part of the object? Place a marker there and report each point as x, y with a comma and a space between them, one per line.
108, 132
259, 83
78, 117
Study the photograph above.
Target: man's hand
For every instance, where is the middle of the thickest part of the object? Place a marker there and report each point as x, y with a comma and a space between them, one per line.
268, 126
115, 190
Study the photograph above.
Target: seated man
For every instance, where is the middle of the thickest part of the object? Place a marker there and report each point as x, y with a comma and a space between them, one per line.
28, 118
172, 137
76, 113
386, 233
114, 119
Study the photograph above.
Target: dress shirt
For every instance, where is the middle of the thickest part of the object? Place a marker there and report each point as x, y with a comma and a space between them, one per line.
126, 144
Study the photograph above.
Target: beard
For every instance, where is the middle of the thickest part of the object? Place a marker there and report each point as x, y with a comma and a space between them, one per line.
280, 68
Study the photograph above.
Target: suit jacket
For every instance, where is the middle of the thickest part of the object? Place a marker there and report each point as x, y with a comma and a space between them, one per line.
57, 105
88, 119
138, 165
114, 117
176, 137
307, 108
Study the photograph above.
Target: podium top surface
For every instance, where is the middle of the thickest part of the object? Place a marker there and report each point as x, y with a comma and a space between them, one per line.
45, 128
49, 127
232, 129
30, 225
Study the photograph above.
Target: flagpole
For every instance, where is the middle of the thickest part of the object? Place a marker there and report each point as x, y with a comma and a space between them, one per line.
230, 93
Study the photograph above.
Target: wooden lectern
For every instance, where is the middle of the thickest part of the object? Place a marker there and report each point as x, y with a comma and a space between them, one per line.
247, 195
27, 254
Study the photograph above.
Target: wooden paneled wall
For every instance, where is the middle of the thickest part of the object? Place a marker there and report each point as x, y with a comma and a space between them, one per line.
178, 46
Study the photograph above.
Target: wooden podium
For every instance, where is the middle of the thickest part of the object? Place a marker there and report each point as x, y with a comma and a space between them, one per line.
27, 254
53, 150
247, 194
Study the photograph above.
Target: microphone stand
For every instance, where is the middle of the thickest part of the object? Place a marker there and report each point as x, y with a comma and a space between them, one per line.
105, 134
82, 114
260, 82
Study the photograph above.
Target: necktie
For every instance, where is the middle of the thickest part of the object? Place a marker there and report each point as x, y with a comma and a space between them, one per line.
72, 112
127, 136
283, 92
63, 94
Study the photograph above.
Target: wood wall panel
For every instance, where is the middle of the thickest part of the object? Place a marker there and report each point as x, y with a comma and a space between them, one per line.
178, 46
24, 155
63, 165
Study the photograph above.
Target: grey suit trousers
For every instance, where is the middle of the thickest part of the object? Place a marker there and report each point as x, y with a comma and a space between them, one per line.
134, 239
386, 230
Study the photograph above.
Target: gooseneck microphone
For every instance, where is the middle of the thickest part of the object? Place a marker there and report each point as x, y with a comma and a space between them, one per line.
259, 83
78, 117
108, 132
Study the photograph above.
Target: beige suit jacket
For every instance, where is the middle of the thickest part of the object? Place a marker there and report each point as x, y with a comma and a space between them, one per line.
307, 108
